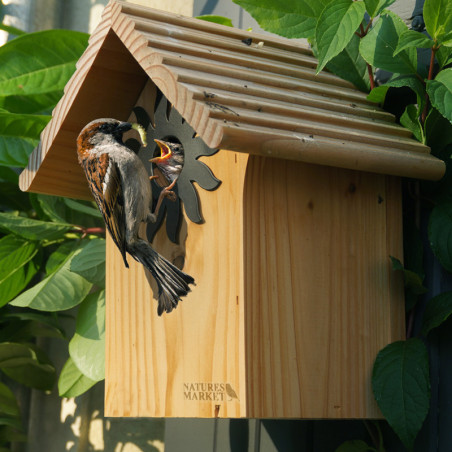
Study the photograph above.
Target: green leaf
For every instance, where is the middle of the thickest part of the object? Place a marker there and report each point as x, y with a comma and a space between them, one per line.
412, 38
49, 319
15, 253
438, 131
61, 290
87, 347
440, 92
29, 331
69, 211
35, 67
11, 422
79, 206
9, 175
27, 364
378, 94
440, 234
413, 281
90, 262
8, 403
335, 28
32, 229
12, 198
444, 56
437, 311
438, 18
38, 104
379, 45
40, 62
11, 30
216, 19
72, 382
401, 386
51, 206
26, 326
291, 18
355, 445
374, 7
57, 258
410, 120
350, 65
446, 40
19, 135
8, 434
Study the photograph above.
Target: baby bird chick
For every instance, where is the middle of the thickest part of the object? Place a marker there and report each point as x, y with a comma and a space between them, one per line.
170, 163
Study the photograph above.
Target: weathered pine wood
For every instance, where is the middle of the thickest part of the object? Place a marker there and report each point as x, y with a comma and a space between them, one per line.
180, 364
272, 121
247, 75
264, 62
278, 95
320, 296
328, 151
235, 52
185, 56
280, 109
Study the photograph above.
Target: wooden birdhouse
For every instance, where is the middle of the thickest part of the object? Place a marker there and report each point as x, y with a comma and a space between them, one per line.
294, 292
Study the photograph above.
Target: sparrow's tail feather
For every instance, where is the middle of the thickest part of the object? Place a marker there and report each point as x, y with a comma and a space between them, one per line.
172, 283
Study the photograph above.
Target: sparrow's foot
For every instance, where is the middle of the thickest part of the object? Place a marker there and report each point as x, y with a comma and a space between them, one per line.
169, 194
165, 193
151, 218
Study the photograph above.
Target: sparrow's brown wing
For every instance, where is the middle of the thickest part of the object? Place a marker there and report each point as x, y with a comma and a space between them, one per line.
106, 187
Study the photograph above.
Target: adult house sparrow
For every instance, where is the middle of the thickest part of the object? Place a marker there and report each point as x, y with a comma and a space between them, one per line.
120, 185
170, 163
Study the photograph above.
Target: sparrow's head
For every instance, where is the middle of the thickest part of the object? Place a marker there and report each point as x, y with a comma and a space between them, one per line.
101, 131
168, 152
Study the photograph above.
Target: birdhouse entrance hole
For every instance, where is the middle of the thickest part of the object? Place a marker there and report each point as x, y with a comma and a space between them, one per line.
160, 179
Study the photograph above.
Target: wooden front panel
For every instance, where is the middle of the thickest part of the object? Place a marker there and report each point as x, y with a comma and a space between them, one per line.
320, 296
294, 298
189, 362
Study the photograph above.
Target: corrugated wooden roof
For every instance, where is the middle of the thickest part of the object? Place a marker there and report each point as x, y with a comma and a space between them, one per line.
240, 91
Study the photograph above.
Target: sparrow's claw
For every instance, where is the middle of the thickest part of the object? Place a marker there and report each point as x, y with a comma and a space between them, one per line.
169, 194
165, 193
152, 218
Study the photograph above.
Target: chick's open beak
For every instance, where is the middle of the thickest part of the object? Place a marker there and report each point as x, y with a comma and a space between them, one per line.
165, 151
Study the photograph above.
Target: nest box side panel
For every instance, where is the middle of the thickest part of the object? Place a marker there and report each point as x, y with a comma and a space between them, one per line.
320, 296
189, 363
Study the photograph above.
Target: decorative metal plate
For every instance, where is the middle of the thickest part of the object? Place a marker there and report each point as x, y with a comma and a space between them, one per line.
169, 125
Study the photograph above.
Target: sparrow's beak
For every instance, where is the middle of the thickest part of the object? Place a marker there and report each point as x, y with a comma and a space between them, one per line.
123, 127
165, 151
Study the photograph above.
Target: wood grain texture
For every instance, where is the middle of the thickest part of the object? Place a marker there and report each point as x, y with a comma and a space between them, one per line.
189, 362
294, 298
231, 91
320, 296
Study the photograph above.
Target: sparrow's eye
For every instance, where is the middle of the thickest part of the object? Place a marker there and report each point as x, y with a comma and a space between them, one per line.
105, 128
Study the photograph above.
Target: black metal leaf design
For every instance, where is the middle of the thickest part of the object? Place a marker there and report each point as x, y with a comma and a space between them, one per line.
169, 125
